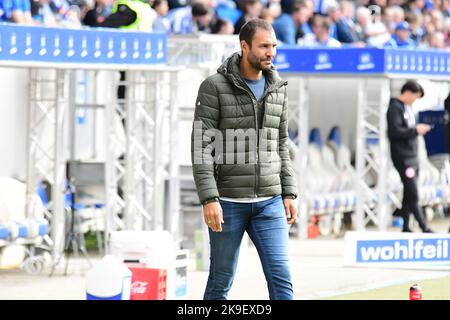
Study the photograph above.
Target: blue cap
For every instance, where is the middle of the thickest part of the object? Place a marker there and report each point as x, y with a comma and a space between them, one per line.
402, 26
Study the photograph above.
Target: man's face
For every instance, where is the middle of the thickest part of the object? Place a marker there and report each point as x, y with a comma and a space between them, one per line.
411, 97
254, 10
204, 20
319, 30
263, 50
300, 15
403, 34
334, 14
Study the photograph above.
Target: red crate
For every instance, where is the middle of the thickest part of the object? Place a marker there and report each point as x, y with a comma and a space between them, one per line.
148, 284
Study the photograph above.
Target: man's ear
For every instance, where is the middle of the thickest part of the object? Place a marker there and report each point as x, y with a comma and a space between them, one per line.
244, 46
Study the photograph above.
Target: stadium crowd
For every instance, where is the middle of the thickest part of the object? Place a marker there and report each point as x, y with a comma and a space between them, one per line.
376, 23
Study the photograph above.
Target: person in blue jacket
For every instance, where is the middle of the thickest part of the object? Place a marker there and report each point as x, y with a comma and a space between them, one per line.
401, 38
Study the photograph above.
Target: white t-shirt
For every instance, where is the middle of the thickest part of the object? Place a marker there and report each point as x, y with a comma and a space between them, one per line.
378, 40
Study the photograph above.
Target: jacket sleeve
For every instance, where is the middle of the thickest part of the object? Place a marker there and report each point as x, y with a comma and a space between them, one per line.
206, 119
288, 177
396, 129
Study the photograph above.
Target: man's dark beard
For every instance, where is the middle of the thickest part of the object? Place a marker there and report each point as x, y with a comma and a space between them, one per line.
256, 63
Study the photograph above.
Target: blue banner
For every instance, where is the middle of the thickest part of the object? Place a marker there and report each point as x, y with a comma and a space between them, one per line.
363, 61
87, 46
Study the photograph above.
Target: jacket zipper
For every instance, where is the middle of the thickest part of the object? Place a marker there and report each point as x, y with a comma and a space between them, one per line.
255, 106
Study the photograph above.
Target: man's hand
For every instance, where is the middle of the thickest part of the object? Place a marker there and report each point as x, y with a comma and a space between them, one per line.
291, 210
212, 213
422, 128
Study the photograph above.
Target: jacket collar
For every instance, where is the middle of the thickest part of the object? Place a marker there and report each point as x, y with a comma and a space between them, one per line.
230, 70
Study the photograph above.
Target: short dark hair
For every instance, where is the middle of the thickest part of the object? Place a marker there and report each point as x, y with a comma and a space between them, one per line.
199, 9
413, 86
217, 25
248, 30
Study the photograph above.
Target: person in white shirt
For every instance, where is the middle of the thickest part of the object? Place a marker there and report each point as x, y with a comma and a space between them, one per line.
370, 28
321, 34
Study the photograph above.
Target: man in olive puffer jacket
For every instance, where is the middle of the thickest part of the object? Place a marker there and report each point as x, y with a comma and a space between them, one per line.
241, 163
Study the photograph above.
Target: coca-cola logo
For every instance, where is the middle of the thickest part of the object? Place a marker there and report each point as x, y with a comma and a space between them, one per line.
139, 287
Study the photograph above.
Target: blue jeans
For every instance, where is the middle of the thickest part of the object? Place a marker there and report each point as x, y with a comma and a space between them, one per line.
266, 224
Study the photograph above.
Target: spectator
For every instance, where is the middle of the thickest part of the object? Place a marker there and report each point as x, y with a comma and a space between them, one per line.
379, 3
191, 19
388, 19
437, 19
415, 6
370, 29
309, 4
284, 26
321, 6
97, 15
227, 10
428, 25
398, 15
222, 26
271, 12
130, 15
66, 15
415, 24
43, 14
202, 17
340, 30
301, 15
161, 23
401, 38
17, 11
445, 8
348, 13
287, 6
321, 34
436, 41
173, 4
251, 10
180, 19
392, 3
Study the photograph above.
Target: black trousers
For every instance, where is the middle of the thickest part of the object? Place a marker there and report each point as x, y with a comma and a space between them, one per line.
410, 203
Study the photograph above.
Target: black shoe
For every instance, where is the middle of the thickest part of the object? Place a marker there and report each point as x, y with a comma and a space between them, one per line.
428, 230
407, 230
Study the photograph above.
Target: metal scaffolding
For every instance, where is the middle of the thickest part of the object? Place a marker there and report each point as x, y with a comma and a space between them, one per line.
63, 79
373, 101
48, 97
148, 114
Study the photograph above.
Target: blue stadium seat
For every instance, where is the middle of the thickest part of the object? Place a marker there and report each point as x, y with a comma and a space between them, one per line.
4, 232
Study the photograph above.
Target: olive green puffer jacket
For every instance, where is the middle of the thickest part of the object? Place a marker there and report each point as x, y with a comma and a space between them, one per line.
261, 169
